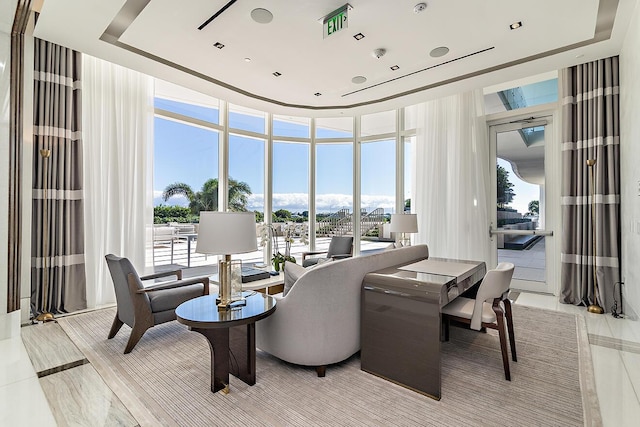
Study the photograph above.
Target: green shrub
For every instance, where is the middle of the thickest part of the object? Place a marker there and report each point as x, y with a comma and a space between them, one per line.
165, 214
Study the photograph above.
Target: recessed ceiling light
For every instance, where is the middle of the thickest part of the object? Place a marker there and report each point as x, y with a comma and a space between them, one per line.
247, 59
516, 25
419, 7
277, 74
218, 45
439, 51
317, 94
359, 79
394, 67
359, 36
261, 16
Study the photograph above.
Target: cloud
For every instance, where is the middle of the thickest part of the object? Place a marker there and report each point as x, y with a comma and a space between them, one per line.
178, 200
299, 202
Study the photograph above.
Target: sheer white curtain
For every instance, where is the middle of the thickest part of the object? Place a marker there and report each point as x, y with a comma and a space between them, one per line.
451, 181
118, 169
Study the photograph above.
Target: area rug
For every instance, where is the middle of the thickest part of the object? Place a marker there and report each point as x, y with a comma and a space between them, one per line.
166, 380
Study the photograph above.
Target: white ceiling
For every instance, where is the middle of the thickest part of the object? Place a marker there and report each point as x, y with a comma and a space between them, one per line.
161, 38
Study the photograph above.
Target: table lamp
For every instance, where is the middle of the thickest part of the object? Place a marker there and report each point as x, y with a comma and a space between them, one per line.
226, 233
404, 223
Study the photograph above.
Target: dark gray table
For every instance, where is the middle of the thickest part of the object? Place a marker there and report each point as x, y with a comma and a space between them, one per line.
231, 334
401, 320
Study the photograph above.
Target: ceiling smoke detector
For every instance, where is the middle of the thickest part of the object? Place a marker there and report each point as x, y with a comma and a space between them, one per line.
419, 7
379, 53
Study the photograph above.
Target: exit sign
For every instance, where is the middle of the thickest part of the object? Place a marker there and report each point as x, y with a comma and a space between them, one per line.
335, 21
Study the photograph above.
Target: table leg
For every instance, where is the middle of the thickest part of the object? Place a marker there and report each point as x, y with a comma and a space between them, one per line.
236, 351
188, 251
218, 343
242, 352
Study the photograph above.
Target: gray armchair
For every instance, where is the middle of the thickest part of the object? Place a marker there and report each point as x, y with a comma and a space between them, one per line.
143, 307
339, 248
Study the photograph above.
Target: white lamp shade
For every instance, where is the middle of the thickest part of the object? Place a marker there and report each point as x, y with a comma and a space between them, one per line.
223, 233
404, 223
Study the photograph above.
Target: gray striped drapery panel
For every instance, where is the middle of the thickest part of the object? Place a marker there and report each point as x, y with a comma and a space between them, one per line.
57, 127
591, 130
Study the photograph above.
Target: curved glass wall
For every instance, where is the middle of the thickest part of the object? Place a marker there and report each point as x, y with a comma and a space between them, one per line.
296, 173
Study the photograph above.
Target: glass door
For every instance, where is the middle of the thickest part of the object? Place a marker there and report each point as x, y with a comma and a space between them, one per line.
520, 230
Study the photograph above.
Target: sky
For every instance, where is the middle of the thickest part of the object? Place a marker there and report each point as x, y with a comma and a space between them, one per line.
188, 154
185, 153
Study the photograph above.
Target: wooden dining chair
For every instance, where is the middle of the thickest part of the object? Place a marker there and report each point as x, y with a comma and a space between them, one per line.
478, 313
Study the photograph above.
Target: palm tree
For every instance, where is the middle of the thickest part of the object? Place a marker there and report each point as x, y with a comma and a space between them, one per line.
207, 198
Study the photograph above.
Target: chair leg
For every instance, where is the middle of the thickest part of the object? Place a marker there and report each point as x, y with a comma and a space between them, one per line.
503, 345
136, 333
512, 338
115, 327
321, 370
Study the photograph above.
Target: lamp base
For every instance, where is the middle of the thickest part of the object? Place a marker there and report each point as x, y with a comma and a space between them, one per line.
230, 273
595, 308
45, 317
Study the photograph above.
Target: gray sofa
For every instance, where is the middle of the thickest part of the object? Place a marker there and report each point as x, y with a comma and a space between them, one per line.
318, 322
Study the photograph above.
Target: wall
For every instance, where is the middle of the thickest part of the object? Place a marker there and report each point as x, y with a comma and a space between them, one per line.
27, 172
629, 171
9, 322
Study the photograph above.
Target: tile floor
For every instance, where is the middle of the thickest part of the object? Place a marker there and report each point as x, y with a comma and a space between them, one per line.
615, 350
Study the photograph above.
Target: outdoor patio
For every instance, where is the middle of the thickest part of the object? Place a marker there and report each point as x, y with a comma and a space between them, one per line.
161, 253
530, 263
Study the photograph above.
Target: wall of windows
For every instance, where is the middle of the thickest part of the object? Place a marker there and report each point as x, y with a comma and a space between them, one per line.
377, 187
289, 170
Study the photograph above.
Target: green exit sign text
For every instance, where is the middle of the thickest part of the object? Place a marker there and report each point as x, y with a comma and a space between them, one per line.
335, 21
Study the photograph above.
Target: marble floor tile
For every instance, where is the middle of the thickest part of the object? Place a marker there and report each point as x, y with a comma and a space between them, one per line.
15, 365
597, 324
72, 392
619, 404
625, 329
23, 403
548, 302
49, 346
631, 362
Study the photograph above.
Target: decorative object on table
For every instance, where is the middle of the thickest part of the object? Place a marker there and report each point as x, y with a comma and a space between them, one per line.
289, 232
45, 315
594, 307
226, 233
404, 224
251, 274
